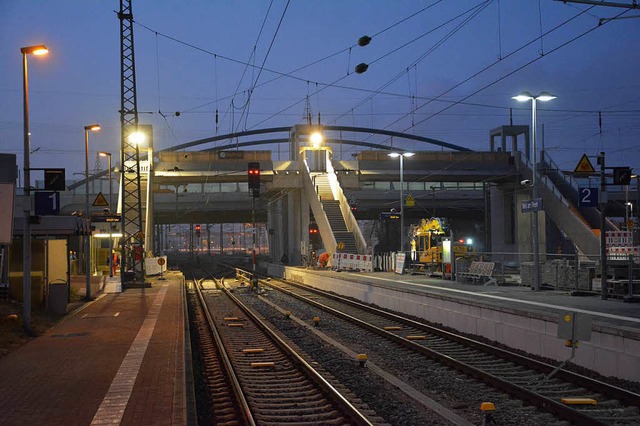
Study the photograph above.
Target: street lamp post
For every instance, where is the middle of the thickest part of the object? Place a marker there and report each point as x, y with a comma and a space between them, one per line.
108, 155
87, 238
26, 238
542, 97
401, 156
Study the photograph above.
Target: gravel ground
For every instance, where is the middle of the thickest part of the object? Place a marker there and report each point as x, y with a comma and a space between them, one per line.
394, 406
450, 388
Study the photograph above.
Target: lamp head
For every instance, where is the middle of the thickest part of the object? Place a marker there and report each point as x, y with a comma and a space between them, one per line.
523, 97
394, 154
316, 139
408, 154
92, 127
38, 50
545, 97
137, 138
104, 154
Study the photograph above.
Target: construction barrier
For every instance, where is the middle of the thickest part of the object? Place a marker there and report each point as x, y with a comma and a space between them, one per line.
622, 253
619, 239
349, 261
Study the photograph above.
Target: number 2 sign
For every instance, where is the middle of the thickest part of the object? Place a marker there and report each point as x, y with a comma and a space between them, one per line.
588, 197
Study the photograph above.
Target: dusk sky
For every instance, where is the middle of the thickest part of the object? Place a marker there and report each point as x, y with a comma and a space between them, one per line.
425, 76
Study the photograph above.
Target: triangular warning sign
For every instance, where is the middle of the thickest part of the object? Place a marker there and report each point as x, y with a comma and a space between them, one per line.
100, 201
584, 165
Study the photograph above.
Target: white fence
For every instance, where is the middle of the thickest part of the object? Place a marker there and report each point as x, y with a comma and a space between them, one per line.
360, 262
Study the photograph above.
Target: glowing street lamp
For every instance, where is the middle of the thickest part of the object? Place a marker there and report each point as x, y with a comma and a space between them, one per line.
137, 138
87, 240
37, 50
316, 139
401, 156
542, 97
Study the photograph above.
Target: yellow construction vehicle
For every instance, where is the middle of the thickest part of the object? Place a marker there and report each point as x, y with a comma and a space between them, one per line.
425, 245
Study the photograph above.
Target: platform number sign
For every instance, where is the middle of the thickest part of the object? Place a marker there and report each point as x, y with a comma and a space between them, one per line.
588, 197
47, 203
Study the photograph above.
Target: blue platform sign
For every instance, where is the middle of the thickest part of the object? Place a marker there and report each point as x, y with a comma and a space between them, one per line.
389, 216
588, 197
47, 203
534, 205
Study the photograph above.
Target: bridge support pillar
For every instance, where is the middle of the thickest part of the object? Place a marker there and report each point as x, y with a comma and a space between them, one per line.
511, 228
288, 220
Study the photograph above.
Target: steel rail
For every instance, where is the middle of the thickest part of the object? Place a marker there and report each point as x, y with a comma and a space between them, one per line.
228, 365
541, 401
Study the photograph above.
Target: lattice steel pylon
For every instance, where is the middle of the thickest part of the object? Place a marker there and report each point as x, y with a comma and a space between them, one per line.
132, 242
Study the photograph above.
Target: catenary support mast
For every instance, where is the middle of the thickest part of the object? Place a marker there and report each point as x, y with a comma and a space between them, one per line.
132, 243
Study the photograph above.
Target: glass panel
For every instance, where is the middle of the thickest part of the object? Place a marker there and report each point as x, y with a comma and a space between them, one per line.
228, 187
386, 186
416, 186
194, 188
211, 187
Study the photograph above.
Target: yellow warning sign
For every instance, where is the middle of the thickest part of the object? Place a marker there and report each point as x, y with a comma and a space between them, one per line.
100, 201
340, 245
584, 165
410, 201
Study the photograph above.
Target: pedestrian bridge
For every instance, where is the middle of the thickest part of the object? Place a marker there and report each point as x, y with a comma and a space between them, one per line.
480, 189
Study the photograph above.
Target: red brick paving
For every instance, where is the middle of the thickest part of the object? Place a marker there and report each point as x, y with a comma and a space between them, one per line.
62, 377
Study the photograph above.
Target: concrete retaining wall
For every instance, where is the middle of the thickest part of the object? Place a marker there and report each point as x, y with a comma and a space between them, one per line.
611, 351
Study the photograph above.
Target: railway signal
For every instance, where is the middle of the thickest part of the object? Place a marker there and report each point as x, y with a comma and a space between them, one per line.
253, 177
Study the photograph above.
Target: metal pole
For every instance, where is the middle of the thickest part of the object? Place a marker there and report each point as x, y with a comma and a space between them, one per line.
87, 240
110, 226
630, 272
577, 271
534, 179
26, 238
603, 232
401, 205
109, 165
253, 220
626, 210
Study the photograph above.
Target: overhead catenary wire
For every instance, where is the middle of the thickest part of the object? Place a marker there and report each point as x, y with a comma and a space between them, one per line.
415, 62
486, 68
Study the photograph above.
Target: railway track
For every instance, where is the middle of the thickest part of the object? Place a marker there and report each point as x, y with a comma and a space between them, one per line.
253, 376
517, 375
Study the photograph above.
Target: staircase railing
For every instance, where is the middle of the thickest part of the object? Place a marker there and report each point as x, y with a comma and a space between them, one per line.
345, 208
575, 186
326, 233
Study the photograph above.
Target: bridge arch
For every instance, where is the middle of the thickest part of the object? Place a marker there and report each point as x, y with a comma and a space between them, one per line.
271, 130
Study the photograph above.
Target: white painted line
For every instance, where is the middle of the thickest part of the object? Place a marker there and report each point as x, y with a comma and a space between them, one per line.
491, 296
115, 402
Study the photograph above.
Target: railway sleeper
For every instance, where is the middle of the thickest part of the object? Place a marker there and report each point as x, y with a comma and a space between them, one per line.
279, 418
268, 393
287, 405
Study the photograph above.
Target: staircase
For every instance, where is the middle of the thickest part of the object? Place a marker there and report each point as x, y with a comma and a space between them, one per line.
568, 187
331, 208
563, 212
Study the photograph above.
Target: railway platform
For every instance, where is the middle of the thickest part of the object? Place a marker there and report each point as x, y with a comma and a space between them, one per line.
119, 359
514, 316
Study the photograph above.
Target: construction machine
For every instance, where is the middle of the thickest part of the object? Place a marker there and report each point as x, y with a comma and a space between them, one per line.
426, 244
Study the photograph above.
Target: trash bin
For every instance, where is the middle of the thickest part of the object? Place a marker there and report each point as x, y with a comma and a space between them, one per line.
58, 297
